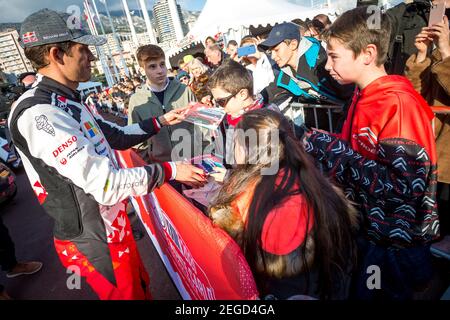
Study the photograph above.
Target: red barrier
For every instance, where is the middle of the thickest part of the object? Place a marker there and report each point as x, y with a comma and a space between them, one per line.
203, 261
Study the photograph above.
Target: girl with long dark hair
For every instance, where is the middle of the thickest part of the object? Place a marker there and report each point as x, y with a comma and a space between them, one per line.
295, 228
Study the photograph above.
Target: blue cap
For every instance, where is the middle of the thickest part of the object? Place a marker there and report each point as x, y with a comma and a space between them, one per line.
279, 33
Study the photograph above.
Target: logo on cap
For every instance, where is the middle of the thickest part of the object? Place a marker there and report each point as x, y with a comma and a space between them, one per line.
29, 37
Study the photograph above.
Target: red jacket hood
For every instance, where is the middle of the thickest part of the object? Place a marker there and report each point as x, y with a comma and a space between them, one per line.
390, 85
389, 107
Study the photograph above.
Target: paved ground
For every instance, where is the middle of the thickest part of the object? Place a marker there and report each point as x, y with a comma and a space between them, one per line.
31, 230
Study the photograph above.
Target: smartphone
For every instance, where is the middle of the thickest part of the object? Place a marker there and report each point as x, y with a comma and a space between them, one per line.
208, 165
437, 13
246, 50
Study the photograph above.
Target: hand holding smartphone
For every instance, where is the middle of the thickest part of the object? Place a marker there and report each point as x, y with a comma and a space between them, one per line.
437, 13
246, 50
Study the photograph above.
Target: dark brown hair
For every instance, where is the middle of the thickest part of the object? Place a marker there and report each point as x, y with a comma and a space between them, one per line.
210, 38
149, 52
38, 55
323, 18
357, 28
329, 247
232, 77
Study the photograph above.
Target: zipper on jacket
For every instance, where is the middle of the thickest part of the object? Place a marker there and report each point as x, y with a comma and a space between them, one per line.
168, 127
78, 208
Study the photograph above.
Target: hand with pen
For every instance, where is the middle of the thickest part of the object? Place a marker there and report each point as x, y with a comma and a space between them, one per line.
173, 117
190, 175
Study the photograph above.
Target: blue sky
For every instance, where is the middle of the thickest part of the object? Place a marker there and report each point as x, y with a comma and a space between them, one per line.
18, 10
195, 5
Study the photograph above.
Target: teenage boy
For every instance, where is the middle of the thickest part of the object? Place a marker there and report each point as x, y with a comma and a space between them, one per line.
385, 159
303, 77
155, 98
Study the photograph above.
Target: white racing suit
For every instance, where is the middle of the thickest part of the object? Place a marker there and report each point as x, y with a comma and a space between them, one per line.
67, 155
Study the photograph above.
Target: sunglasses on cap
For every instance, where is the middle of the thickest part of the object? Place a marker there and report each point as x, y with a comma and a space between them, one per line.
222, 102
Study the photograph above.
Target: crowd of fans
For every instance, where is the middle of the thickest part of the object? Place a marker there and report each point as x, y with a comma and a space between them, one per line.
115, 100
304, 62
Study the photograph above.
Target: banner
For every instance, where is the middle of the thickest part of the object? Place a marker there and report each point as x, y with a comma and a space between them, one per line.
204, 262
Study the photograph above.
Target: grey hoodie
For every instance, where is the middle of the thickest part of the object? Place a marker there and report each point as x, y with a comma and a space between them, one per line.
144, 104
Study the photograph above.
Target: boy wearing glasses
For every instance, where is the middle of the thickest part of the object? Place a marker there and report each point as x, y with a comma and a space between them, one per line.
232, 88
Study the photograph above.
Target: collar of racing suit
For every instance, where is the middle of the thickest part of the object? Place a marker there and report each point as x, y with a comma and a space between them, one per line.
57, 87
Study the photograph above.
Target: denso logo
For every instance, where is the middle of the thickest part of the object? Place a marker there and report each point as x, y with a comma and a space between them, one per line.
64, 146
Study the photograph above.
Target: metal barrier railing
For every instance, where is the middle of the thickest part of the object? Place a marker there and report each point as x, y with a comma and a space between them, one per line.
337, 108
330, 108
439, 110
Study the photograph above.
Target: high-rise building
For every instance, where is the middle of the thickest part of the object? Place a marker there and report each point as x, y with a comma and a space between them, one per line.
127, 48
12, 57
169, 21
190, 22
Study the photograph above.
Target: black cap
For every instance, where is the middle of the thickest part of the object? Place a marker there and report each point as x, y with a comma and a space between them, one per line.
279, 33
47, 26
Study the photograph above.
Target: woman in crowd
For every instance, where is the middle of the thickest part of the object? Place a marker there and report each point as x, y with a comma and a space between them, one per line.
430, 76
200, 73
295, 229
317, 26
261, 65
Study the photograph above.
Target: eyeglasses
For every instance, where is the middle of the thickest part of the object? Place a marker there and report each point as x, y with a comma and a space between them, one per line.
222, 102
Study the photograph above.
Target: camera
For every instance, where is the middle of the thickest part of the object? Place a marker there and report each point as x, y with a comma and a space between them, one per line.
8, 94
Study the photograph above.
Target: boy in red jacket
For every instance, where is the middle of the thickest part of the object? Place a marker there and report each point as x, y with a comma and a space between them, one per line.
385, 159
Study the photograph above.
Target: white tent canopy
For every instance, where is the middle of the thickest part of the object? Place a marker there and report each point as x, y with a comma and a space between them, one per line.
90, 86
233, 18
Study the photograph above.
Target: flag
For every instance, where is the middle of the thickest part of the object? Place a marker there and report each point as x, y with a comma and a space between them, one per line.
29, 37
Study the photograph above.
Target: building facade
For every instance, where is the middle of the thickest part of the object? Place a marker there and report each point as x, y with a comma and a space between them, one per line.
12, 57
169, 21
126, 47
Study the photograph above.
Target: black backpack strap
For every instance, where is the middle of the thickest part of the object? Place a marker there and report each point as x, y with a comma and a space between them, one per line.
409, 16
397, 54
396, 59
